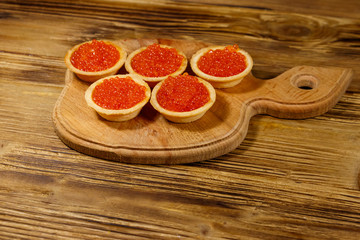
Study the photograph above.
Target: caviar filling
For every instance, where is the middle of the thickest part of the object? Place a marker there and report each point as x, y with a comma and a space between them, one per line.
222, 62
118, 93
95, 56
156, 61
182, 93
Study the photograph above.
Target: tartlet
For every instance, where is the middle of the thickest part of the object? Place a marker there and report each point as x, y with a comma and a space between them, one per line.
118, 97
156, 62
105, 59
183, 98
222, 66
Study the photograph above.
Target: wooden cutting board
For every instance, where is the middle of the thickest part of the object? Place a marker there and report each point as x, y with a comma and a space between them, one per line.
300, 92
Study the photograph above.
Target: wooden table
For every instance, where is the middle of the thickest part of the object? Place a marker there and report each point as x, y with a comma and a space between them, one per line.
289, 179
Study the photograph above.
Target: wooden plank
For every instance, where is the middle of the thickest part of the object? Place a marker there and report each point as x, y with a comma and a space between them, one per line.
320, 39
74, 199
287, 180
329, 8
332, 8
306, 187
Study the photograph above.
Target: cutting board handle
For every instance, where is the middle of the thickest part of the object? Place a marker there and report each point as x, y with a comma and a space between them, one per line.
300, 92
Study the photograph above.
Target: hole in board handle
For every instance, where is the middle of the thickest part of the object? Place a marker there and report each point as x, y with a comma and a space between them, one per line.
304, 81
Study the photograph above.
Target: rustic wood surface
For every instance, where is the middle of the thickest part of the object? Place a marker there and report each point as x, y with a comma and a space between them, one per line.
289, 179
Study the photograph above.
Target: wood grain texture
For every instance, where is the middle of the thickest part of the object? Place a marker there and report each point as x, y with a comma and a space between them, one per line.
289, 179
301, 92
313, 39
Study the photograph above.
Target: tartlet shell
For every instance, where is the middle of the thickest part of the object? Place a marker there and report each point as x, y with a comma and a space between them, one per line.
220, 82
93, 76
152, 81
184, 117
118, 115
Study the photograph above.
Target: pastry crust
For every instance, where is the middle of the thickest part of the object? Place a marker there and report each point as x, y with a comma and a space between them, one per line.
122, 114
184, 117
152, 81
220, 82
93, 76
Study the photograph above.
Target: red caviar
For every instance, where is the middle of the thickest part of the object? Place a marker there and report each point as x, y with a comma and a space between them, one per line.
182, 93
156, 61
222, 62
95, 56
118, 93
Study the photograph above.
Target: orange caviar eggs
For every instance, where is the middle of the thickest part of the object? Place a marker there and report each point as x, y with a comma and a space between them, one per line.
182, 93
118, 97
156, 61
222, 62
183, 98
222, 66
95, 56
118, 93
